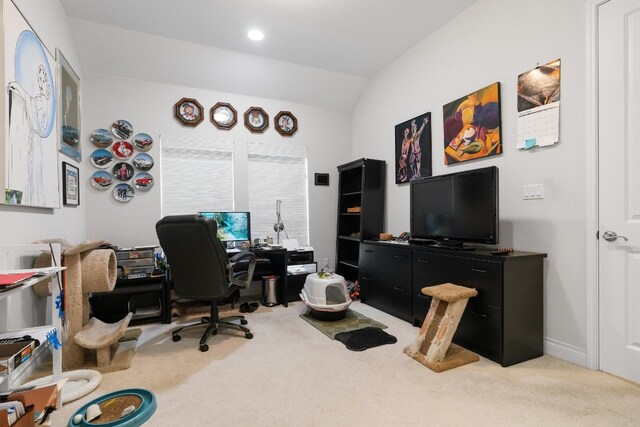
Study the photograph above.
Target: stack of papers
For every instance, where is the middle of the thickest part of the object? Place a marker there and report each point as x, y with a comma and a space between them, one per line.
11, 280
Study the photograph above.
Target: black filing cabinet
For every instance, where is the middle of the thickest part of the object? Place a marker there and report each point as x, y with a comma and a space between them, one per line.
503, 323
385, 279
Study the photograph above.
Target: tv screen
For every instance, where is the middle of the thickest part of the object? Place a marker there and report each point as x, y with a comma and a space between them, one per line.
457, 207
232, 226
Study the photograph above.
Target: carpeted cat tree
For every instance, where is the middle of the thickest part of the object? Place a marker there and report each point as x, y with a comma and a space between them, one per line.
89, 269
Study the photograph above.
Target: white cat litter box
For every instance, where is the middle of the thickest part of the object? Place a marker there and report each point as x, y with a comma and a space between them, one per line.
326, 298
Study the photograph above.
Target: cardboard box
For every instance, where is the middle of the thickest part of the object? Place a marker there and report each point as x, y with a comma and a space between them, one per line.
14, 354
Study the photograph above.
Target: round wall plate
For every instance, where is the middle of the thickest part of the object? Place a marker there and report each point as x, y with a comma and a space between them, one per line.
123, 192
143, 162
143, 141
143, 181
101, 180
101, 158
122, 150
123, 171
122, 129
101, 138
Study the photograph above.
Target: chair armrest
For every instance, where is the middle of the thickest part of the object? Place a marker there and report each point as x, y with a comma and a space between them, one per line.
243, 283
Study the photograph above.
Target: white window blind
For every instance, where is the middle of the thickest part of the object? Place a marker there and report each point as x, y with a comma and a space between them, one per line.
278, 172
197, 175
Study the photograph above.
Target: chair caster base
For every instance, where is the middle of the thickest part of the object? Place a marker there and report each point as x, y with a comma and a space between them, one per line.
204, 347
248, 335
243, 321
176, 338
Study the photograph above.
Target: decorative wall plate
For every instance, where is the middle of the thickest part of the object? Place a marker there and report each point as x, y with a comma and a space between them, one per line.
143, 181
256, 120
122, 129
143, 162
143, 141
101, 158
286, 123
223, 115
189, 112
123, 193
101, 138
101, 180
122, 150
123, 171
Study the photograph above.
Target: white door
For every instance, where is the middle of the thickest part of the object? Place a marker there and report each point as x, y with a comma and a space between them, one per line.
619, 187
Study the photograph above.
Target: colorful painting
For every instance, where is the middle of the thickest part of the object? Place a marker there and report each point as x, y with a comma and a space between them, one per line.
29, 172
472, 126
69, 109
413, 149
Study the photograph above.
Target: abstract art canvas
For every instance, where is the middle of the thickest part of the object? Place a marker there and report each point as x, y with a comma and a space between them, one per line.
29, 162
472, 126
413, 149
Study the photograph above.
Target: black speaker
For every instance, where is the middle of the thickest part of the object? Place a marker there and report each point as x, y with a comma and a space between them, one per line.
322, 179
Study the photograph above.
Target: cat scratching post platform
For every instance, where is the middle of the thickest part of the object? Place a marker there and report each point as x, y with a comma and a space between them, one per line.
433, 346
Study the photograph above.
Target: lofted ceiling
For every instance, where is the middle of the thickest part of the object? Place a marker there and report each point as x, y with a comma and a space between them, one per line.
356, 37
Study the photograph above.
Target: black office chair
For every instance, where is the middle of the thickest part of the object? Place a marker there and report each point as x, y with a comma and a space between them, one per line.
201, 269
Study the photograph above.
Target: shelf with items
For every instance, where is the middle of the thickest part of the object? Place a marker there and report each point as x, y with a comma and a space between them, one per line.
13, 321
360, 211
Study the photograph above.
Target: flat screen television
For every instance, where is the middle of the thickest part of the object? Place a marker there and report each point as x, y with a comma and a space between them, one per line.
232, 226
454, 208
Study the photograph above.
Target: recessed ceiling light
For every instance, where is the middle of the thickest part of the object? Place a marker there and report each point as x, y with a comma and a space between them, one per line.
256, 35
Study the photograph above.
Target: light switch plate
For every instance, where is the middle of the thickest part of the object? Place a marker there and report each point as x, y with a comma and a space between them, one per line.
533, 191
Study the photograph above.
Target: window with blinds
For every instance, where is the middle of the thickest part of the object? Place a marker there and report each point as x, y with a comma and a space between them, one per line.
278, 172
197, 175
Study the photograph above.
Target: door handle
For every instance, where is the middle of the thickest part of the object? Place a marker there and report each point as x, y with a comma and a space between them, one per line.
399, 256
397, 288
479, 270
426, 261
612, 236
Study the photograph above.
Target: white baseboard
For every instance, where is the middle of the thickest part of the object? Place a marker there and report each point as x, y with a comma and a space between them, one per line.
566, 352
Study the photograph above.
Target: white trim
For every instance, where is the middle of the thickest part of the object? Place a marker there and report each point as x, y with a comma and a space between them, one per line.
591, 180
566, 352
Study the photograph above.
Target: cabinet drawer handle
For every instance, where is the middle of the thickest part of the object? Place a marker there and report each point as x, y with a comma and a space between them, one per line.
479, 270
397, 288
365, 278
426, 261
421, 295
399, 256
478, 314
369, 251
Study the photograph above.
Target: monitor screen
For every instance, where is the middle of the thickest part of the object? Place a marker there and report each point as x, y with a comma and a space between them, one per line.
232, 226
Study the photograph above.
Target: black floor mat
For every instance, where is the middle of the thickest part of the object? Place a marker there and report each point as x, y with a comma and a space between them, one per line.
362, 339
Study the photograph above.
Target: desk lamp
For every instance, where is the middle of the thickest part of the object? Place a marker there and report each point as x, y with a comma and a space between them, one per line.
279, 225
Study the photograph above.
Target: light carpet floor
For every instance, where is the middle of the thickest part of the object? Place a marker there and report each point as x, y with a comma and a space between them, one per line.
290, 374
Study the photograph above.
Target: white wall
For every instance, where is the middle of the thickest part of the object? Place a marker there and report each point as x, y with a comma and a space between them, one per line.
496, 40
118, 52
20, 224
149, 108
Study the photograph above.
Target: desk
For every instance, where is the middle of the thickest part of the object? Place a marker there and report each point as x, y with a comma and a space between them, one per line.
277, 266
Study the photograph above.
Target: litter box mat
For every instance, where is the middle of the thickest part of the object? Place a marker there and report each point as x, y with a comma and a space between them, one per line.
352, 321
112, 406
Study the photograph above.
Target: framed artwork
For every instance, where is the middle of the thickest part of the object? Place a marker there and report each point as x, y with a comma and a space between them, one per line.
29, 144
70, 185
69, 108
413, 149
189, 112
223, 115
256, 120
472, 126
286, 123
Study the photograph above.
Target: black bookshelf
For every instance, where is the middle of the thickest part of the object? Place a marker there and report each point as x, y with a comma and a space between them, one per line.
361, 185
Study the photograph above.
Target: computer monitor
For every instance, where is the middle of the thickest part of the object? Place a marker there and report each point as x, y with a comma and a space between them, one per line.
232, 226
